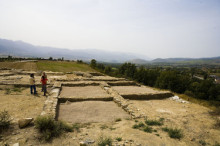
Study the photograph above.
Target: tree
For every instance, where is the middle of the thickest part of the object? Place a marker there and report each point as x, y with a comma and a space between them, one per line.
93, 63
50, 58
108, 69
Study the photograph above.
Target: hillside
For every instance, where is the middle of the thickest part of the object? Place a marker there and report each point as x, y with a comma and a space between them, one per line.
97, 106
23, 49
212, 60
47, 66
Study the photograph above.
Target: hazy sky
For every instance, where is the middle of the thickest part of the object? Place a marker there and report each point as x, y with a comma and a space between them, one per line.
155, 28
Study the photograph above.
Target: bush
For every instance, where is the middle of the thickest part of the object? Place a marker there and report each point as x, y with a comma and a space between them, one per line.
4, 120
7, 91
117, 120
50, 128
165, 129
76, 127
154, 122
103, 141
118, 138
148, 129
173, 133
135, 126
141, 124
202, 142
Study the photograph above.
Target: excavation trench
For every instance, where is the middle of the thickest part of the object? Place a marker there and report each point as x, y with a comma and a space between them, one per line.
87, 104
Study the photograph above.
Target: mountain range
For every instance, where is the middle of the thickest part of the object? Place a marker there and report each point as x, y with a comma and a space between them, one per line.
23, 49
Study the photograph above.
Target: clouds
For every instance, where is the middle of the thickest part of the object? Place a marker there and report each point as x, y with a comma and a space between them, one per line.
162, 28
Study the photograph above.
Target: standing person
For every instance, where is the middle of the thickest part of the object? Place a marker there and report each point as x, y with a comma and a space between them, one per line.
32, 84
45, 76
44, 84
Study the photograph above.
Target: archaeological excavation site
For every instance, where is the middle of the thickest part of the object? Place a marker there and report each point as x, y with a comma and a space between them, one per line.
101, 106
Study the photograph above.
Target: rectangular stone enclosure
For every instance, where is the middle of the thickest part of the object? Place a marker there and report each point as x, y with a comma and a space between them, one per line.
84, 93
90, 111
141, 93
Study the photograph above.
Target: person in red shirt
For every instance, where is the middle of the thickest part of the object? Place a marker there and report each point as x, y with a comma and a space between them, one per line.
44, 84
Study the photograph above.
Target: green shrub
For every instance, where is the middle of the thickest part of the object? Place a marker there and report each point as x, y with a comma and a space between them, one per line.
4, 120
135, 126
117, 120
103, 141
148, 129
50, 128
141, 124
7, 91
16, 89
154, 122
118, 138
173, 133
103, 126
202, 142
76, 127
165, 129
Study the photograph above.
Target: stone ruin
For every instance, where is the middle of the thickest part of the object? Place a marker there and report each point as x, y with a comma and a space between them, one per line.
86, 96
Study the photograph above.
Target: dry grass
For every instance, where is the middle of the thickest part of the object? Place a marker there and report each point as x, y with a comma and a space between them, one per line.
63, 66
19, 65
209, 104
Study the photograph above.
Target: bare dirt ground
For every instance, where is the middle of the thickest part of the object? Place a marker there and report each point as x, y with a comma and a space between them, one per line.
90, 111
125, 90
21, 104
83, 92
195, 120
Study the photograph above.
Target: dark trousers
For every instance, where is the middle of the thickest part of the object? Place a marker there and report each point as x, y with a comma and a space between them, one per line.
33, 87
44, 88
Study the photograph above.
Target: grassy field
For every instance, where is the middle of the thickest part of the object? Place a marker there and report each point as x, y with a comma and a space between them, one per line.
56, 66
61, 66
19, 65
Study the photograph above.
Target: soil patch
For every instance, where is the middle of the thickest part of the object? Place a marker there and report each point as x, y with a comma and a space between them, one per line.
21, 104
84, 93
90, 111
141, 93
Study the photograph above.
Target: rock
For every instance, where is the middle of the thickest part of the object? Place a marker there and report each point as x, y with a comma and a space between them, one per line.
67, 102
82, 143
89, 141
16, 144
74, 138
24, 122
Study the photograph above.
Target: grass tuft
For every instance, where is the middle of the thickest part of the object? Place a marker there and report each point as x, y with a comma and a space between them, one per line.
103, 141
118, 138
154, 122
173, 133
103, 127
148, 129
50, 128
118, 119
5, 121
